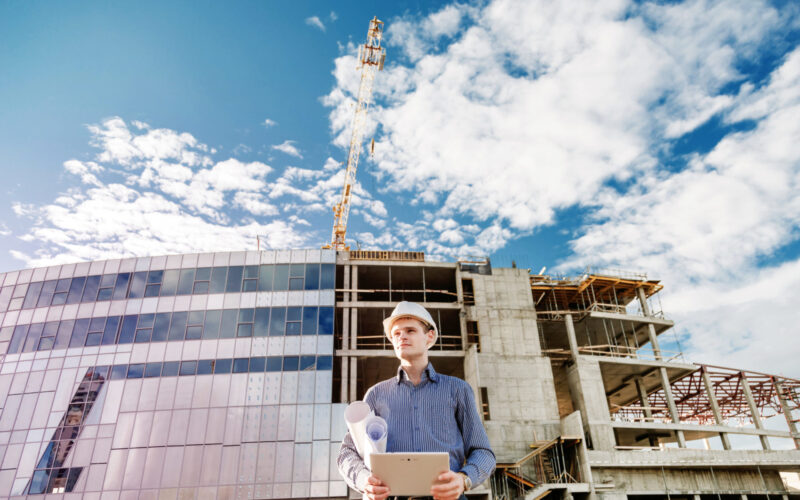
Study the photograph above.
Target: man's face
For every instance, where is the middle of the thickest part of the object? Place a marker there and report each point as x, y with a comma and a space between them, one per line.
410, 338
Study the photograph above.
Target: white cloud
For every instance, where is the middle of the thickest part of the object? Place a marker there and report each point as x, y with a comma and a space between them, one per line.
289, 148
315, 22
332, 16
84, 170
269, 123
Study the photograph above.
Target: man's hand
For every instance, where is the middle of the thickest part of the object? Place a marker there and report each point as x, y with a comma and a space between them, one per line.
375, 489
449, 487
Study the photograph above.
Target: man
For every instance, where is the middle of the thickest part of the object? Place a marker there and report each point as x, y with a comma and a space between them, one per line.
425, 412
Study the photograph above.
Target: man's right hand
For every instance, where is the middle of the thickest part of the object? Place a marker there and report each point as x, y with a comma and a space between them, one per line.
375, 489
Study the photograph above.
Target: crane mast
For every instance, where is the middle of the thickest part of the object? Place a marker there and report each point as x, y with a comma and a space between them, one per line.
370, 57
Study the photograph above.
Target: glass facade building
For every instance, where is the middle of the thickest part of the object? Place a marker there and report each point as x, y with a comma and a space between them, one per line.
182, 376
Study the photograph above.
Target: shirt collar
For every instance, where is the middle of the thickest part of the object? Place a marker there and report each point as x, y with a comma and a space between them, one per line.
428, 373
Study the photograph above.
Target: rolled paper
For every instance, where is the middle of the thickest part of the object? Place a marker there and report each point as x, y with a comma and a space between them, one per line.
355, 416
377, 432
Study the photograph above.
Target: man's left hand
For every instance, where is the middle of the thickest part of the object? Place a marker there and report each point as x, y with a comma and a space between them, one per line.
449, 487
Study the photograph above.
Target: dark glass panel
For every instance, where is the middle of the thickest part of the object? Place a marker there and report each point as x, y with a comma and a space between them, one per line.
152, 370
251, 272
195, 318
307, 362
100, 372
143, 335
170, 369
74, 474
90, 289
75, 290
290, 363
297, 270
161, 326
325, 321
312, 277
62, 285
18, 339
234, 284
128, 330
137, 285
293, 328
246, 315
64, 333
327, 277
136, 371
277, 321
104, 294
32, 295
310, 320
110, 332
295, 283
249, 285
46, 343
169, 282
119, 372
200, 287
205, 366
265, 278
218, 279
211, 324
46, 295
108, 280
186, 282
79, 333
240, 365
59, 298
93, 339
188, 368
39, 482
97, 324
324, 362
274, 363
50, 329
177, 328
281, 279
121, 287
152, 290
294, 314
244, 330
203, 274
228, 327
48, 456
223, 366
146, 320
154, 277
257, 365
194, 332
261, 322
34, 333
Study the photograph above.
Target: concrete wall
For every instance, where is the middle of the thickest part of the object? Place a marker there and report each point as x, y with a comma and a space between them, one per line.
689, 481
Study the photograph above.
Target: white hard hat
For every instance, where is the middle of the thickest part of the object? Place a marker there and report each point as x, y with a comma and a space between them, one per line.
410, 310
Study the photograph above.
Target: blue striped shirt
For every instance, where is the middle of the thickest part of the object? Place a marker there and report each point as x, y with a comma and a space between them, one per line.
439, 414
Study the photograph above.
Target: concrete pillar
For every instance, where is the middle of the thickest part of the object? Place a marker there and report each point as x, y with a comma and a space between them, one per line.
748, 394
787, 412
353, 379
643, 301
695, 497
344, 385
354, 311
651, 330
673, 409
712, 398
571, 337
648, 413
588, 395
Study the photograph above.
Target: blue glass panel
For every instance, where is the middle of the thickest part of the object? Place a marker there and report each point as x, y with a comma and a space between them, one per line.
93, 339
169, 282
265, 278
34, 333
205, 366
78, 338
294, 314
152, 370
186, 282
297, 270
257, 365
290, 363
293, 328
152, 290
177, 328
211, 324
223, 365
46, 343
240, 365
155, 277
50, 329
161, 326
200, 287
104, 294
170, 369
308, 362
136, 371
312, 277
59, 298
277, 321
203, 274
46, 295
64, 332
108, 280
90, 289
246, 315
18, 339
76, 290
251, 272
295, 283
110, 332
47, 457
244, 330
234, 279
274, 363
327, 276
195, 318
32, 295
281, 279
194, 332
218, 275
146, 320
324, 362
261, 322
325, 321
188, 368
121, 287
128, 330
310, 320
137, 285
143, 335
97, 324
228, 327
39, 482
119, 372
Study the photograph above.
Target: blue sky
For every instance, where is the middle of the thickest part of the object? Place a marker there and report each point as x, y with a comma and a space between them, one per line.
643, 136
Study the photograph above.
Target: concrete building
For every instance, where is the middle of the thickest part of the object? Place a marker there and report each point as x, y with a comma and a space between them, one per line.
225, 375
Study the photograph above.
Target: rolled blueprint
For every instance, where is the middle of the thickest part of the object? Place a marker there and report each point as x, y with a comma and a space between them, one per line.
369, 432
376, 434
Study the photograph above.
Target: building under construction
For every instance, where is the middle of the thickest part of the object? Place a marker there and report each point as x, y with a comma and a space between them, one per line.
225, 376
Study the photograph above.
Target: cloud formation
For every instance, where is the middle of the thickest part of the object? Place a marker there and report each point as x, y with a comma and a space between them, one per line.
288, 148
315, 22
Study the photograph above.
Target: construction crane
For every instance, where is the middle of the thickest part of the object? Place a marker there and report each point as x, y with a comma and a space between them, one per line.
370, 59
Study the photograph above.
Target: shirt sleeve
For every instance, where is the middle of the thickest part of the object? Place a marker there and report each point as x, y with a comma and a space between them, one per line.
480, 461
351, 465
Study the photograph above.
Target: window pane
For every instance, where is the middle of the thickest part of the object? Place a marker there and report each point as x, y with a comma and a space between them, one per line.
146, 320
50, 329
194, 332
121, 288
32, 296
154, 277
203, 274
205, 366
218, 279
170, 369
274, 363
59, 298
119, 371
137, 285
188, 368
281, 280
200, 287
240, 365
234, 279
186, 282
324, 362
152, 370
64, 333
46, 343
223, 365
325, 321
90, 289
257, 365
293, 328
309, 321
295, 283
97, 324
228, 327
110, 331
93, 339
277, 321
265, 278
312, 277
135, 371
79, 333
290, 363
128, 330
18, 339
211, 324
34, 333
152, 290
249, 286
327, 277
143, 335
297, 270
251, 272
104, 294
195, 318
244, 330
161, 326
261, 325
108, 280
177, 328
75, 290
307, 362
169, 282
46, 294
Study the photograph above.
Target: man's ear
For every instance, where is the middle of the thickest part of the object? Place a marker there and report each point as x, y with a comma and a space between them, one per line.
430, 335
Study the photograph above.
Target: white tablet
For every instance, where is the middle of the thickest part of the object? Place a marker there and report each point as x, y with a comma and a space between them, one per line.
409, 474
